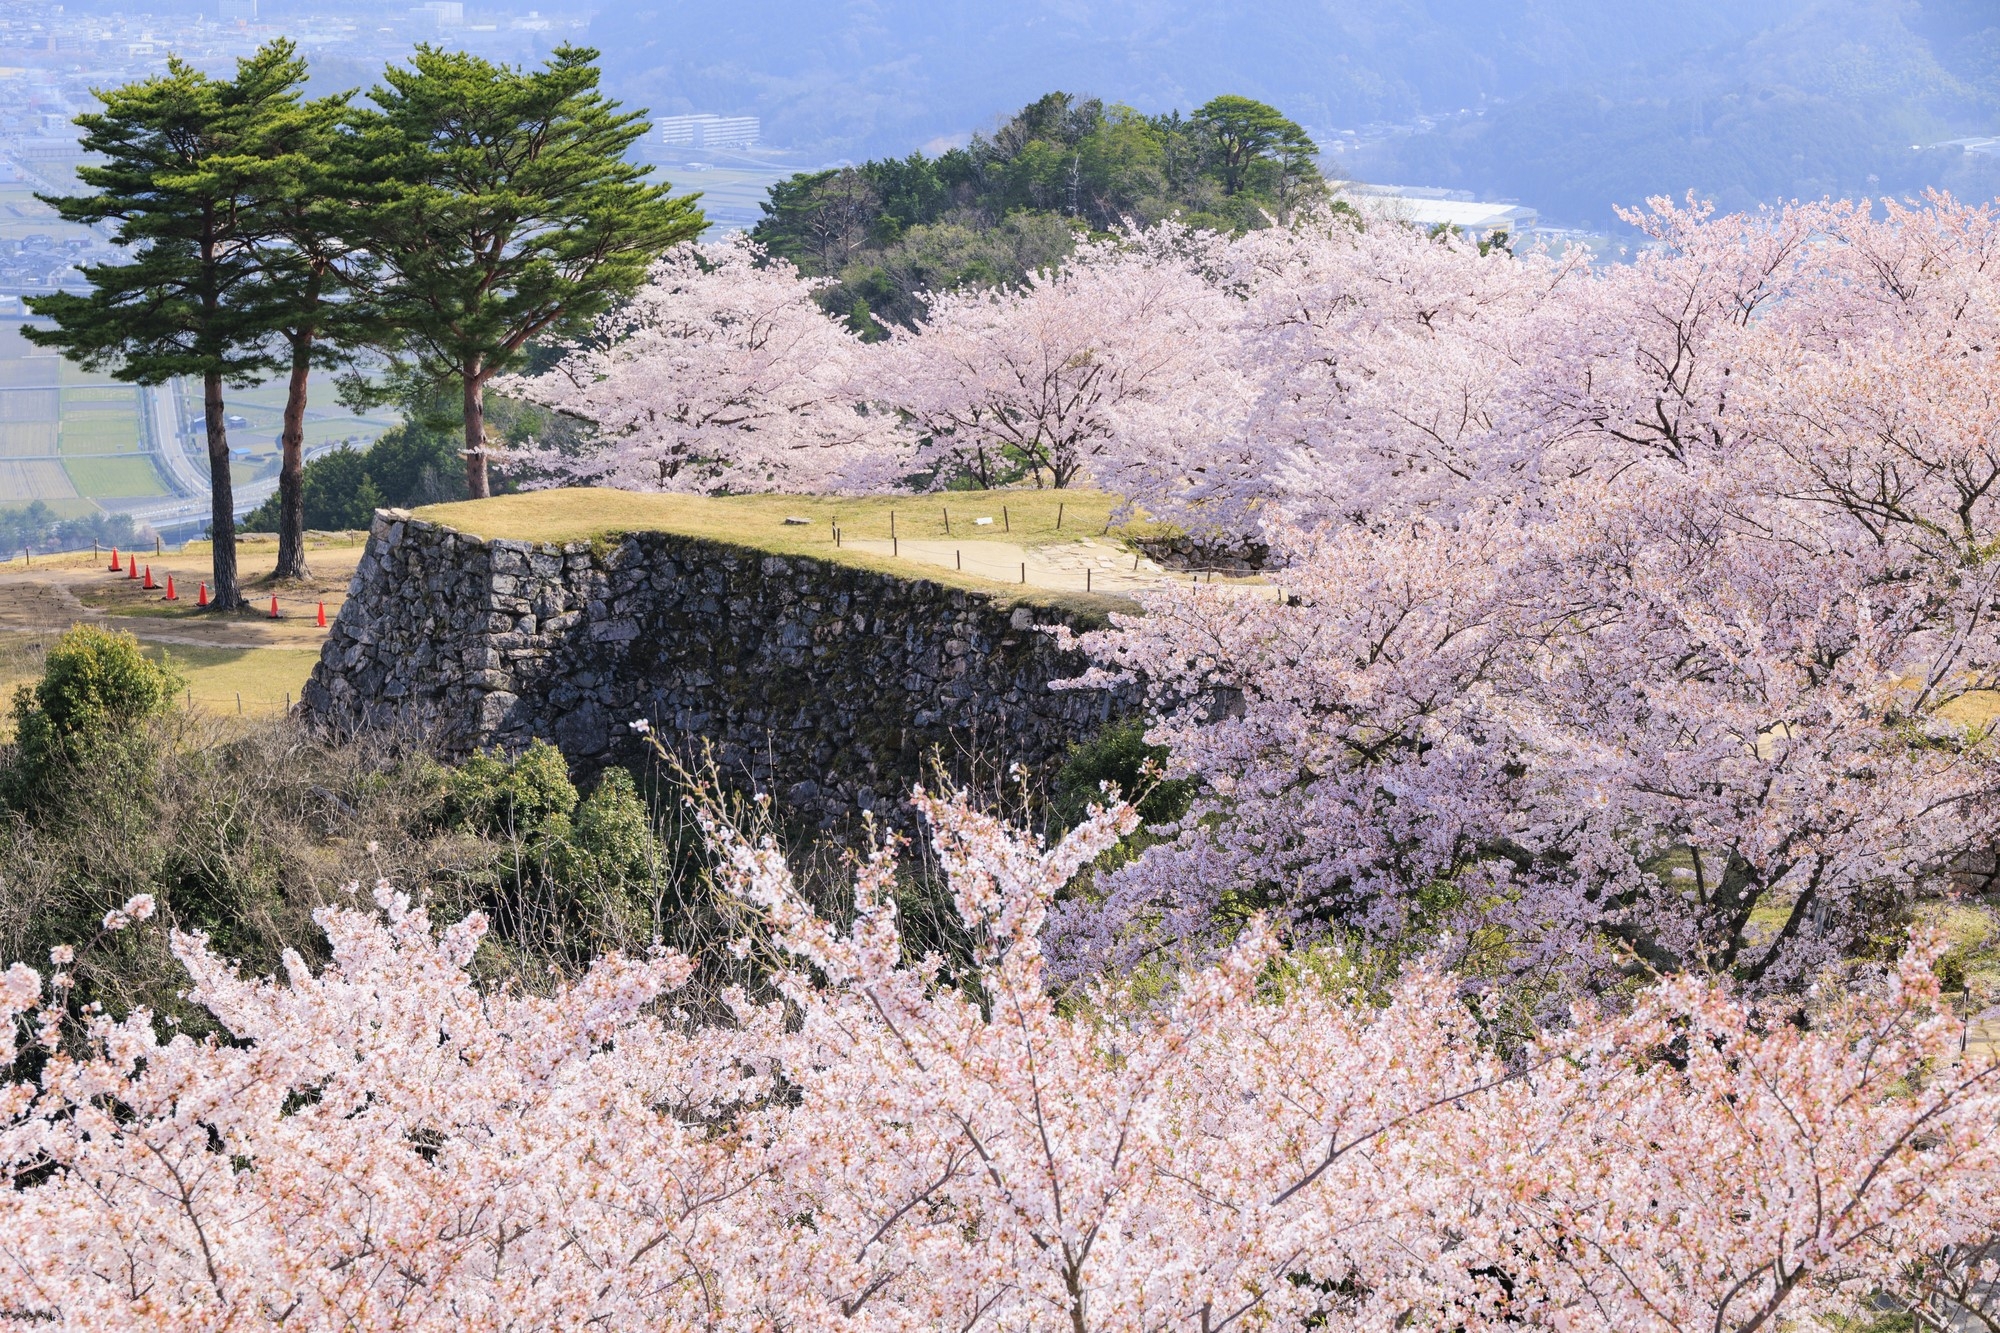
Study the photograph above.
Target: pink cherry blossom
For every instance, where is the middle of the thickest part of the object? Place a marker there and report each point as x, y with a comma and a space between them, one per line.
871, 1144
1683, 626
721, 374
1109, 368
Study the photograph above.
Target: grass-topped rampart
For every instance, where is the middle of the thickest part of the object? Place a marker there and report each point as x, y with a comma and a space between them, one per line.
1029, 519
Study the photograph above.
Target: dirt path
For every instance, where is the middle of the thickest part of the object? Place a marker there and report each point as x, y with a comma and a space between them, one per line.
1982, 1033
1083, 565
56, 592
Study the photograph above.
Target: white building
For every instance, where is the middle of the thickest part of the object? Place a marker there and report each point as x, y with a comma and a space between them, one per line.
1430, 208
705, 131
441, 13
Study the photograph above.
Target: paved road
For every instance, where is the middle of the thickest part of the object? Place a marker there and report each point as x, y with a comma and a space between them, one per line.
184, 464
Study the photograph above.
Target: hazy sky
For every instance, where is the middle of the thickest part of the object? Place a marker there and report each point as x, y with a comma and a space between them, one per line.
1586, 102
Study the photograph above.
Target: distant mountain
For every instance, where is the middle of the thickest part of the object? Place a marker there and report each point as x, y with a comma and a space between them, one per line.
1572, 105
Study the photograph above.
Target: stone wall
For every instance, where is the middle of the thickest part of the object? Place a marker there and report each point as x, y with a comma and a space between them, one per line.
832, 688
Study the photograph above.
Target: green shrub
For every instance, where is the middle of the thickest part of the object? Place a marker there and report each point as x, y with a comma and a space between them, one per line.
342, 488
97, 691
1118, 754
492, 796
240, 829
571, 877
606, 859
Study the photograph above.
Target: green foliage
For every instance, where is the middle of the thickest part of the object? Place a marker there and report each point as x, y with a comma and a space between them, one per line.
313, 287
503, 209
575, 876
488, 794
341, 489
606, 853
1004, 206
1252, 139
415, 466
176, 176
1118, 754
97, 688
180, 167
35, 524
240, 830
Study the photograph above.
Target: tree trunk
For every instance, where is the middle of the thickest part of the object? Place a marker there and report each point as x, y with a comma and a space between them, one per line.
291, 493
222, 508
475, 434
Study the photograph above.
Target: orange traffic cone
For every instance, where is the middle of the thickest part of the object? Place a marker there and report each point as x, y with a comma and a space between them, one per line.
149, 584
171, 596
204, 596
322, 615
274, 606
114, 560
132, 568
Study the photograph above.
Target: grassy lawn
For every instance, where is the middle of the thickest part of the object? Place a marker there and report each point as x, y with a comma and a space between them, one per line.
757, 522
20, 662
264, 679
1977, 709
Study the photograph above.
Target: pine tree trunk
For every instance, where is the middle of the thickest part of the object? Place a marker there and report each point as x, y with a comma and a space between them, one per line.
291, 494
475, 434
222, 510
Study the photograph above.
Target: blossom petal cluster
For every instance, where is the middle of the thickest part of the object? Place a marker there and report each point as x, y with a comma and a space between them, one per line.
1637, 617
875, 1142
721, 374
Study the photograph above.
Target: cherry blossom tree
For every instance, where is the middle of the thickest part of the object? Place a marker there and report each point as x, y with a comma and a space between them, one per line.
874, 1144
721, 374
1100, 369
1640, 615
1385, 359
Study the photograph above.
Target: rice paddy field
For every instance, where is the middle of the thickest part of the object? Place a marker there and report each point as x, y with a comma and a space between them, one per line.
69, 438
76, 440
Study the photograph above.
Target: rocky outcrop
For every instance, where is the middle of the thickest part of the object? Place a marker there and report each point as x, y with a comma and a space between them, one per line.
833, 688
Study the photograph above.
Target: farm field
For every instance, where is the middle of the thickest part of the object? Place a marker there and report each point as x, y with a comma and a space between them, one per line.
254, 438
76, 440
68, 437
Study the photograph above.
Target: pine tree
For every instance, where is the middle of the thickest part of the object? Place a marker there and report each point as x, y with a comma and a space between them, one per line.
505, 210
311, 283
1245, 131
177, 181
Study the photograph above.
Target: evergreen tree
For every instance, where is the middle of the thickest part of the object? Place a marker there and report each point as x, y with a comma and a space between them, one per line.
311, 280
1015, 201
178, 181
505, 210
1247, 132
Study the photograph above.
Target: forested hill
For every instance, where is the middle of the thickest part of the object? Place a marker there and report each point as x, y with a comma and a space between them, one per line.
1016, 200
